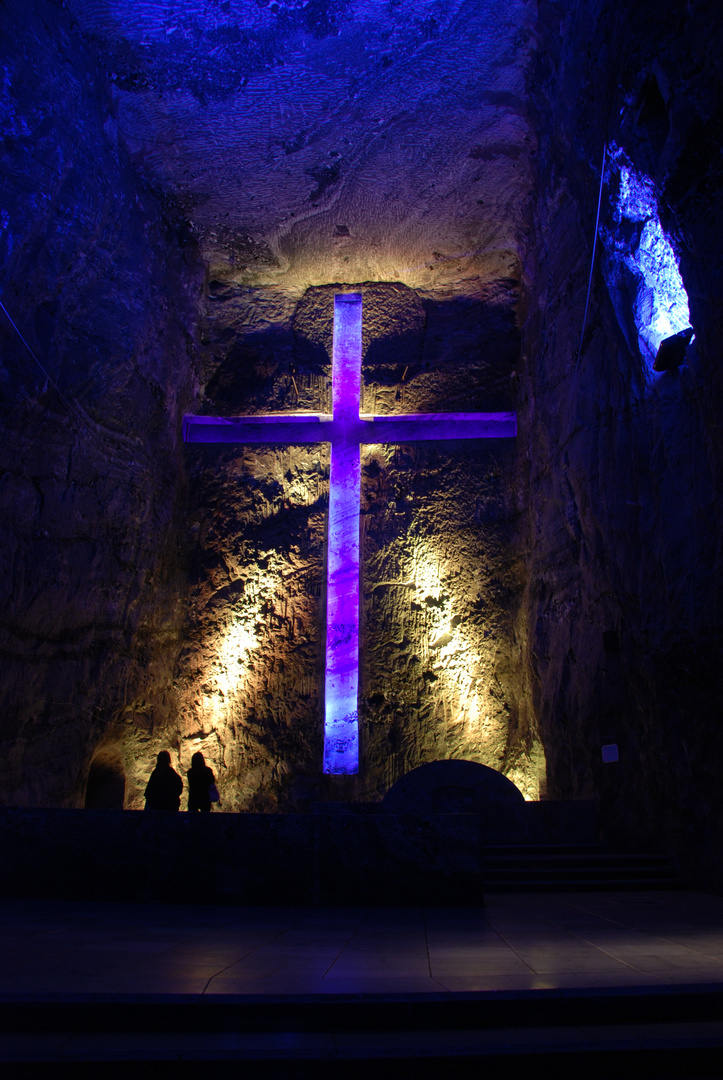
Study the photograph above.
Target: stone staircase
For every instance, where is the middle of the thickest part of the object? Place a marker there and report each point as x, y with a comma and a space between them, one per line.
572, 868
645, 1033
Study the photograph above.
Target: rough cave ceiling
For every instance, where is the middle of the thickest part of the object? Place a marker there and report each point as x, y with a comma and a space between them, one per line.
309, 141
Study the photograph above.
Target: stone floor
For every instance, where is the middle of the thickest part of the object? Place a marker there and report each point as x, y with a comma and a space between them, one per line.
517, 942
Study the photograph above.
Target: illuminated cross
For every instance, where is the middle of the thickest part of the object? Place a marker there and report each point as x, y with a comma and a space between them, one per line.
346, 429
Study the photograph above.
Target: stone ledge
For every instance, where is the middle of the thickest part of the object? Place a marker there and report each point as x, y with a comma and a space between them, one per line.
322, 858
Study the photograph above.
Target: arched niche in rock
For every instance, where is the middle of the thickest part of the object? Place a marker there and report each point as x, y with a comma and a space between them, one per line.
106, 782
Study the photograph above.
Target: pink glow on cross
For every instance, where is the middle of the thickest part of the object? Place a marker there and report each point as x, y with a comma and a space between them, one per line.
341, 723
346, 430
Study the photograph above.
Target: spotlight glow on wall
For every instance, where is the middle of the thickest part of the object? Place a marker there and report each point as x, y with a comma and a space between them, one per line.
226, 676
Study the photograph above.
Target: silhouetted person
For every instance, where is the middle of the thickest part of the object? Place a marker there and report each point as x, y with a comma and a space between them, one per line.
200, 779
163, 791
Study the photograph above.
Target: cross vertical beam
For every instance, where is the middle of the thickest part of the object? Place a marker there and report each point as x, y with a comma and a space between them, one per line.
341, 720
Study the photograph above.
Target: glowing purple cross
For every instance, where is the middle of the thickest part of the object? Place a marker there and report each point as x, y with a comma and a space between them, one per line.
346, 429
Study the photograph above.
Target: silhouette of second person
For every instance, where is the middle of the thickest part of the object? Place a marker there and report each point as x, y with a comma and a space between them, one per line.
200, 781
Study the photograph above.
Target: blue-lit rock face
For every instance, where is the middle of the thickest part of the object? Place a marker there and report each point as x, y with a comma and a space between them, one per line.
331, 140
104, 292
640, 251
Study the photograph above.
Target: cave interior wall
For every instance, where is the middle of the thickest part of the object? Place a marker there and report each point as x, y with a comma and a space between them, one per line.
156, 595
104, 288
626, 462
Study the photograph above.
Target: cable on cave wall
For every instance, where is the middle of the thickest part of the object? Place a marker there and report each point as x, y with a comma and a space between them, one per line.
76, 411
55, 387
594, 250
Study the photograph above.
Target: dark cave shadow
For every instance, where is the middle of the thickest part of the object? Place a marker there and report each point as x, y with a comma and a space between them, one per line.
259, 371
463, 333
390, 359
473, 341
488, 323
248, 372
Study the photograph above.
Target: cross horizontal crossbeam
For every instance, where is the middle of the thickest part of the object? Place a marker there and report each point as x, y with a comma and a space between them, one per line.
300, 429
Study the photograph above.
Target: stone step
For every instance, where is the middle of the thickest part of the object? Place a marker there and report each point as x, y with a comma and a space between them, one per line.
612, 884
650, 1052
547, 850
446, 1010
563, 861
661, 1032
573, 867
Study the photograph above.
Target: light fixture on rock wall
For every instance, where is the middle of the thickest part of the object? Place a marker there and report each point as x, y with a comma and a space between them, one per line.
671, 352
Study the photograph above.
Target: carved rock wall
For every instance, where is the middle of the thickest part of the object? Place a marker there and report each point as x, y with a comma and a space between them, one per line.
250, 679
139, 613
623, 465
336, 140
293, 146
443, 671
104, 293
